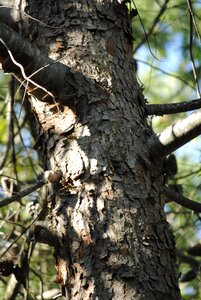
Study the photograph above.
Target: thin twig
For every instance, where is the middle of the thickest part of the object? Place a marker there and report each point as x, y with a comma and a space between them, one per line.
195, 23
23, 72
193, 173
191, 49
166, 73
151, 29
41, 282
22, 194
11, 222
22, 233
47, 72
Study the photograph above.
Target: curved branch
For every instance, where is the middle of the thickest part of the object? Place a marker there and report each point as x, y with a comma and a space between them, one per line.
172, 108
181, 200
45, 77
175, 136
188, 260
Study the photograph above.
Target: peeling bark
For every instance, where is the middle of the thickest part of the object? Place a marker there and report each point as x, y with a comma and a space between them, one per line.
107, 211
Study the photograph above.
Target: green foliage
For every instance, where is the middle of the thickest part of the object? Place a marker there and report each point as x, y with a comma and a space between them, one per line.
20, 168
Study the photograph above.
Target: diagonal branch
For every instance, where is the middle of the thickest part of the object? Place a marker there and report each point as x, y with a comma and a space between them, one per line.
181, 200
175, 136
172, 108
187, 83
45, 77
154, 24
22, 194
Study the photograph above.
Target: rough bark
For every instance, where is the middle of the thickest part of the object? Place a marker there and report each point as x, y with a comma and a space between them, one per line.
113, 241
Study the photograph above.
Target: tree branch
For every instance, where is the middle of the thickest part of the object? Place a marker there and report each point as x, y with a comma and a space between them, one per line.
165, 72
188, 260
45, 77
154, 23
175, 136
172, 108
23, 193
181, 200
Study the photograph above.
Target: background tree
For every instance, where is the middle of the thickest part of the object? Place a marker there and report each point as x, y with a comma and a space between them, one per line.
105, 169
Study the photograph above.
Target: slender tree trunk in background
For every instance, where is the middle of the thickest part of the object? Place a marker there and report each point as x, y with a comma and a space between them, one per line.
113, 241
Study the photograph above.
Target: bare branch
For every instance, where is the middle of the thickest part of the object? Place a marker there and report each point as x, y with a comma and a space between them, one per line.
195, 250
195, 265
180, 78
19, 236
154, 24
188, 260
26, 62
22, 194
181, 200
175, 136
172, 108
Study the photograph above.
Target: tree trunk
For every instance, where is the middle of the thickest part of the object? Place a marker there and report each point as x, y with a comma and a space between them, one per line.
106, 218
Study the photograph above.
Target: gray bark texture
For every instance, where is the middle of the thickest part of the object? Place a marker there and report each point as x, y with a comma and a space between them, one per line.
109, 231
